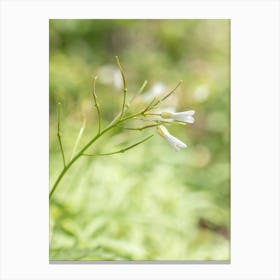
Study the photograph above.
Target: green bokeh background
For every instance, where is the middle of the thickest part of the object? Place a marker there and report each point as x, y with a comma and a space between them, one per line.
150, 203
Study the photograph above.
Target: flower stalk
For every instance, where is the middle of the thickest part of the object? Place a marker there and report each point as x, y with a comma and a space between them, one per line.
96, 104
124, 87
59, 134
118, 121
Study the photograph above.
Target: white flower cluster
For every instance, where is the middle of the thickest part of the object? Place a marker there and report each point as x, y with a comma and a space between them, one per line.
186, 117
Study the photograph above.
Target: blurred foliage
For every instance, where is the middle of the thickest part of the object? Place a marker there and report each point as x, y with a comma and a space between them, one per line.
149, 203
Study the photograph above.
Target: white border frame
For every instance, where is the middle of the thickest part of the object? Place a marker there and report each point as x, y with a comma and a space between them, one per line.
254, 138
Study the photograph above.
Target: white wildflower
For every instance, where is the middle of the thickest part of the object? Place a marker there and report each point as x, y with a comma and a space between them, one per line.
173, 141
186, 116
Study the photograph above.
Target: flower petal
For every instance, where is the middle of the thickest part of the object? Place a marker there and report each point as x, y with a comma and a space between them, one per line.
174, 142
184, 116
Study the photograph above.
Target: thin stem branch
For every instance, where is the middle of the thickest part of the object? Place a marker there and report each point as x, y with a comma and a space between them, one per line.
152, 114
124, 86
59, 134
78, 138
144, 127
122, 150
96, 104
149, 105
162, 121
116, 120
130, 117
166, 96
138, 92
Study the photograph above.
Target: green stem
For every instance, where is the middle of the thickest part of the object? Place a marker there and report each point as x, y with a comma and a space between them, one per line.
121, 150
124, 86
70, 164
78, 138
139, 92
152, 114
59, 134
166, 96
150, 105
96, 104
144, 127
66, 167
75, 158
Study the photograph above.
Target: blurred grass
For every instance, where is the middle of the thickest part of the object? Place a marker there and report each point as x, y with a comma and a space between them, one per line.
148, 203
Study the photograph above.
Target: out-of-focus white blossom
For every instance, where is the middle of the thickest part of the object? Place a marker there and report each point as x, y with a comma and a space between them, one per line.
110, 74
201, 93
173, 141
156, 90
